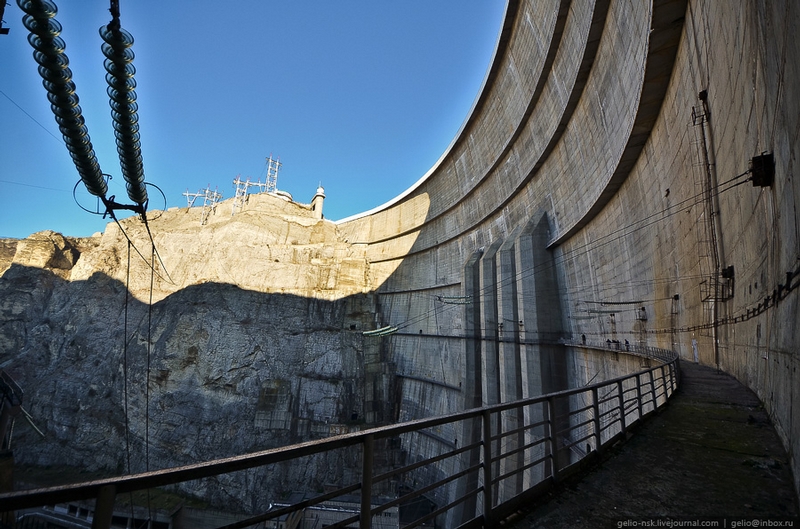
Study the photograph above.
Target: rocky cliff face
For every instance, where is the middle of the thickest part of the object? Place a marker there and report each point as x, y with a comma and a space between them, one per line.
252, 340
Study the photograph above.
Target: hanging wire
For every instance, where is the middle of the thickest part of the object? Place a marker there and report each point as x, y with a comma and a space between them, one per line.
125, 361
127, 237
127, 340
155, 250
147, 377
125, 374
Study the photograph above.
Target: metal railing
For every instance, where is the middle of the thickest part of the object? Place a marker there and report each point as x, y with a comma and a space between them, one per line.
510, 453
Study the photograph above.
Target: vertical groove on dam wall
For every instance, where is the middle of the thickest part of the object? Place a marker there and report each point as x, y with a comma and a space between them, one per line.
631, 127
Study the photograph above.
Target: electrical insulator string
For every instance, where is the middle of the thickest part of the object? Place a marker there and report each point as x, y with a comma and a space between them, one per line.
56, 75
122, 99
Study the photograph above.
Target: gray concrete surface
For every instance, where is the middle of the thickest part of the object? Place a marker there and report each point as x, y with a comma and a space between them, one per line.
630, 124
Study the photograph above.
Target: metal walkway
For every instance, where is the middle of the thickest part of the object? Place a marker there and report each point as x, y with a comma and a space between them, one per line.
710, 456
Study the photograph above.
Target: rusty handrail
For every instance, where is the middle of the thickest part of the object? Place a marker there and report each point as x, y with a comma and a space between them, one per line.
653, 387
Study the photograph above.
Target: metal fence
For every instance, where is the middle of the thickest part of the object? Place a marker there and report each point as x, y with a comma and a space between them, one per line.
509, 454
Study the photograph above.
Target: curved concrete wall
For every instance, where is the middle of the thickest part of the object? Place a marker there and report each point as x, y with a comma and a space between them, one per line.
593, 193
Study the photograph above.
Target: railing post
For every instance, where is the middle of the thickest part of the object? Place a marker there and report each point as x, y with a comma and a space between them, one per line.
639, 394
104, 507
487, 468
553, 436
673, 382
664, 384
596, 408
366, 482
621, 398
653, 388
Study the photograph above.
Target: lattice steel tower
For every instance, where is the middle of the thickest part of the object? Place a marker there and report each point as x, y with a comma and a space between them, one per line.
272, 174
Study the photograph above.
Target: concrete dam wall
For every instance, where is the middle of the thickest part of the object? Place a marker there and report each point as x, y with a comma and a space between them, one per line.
625, 177
607, 186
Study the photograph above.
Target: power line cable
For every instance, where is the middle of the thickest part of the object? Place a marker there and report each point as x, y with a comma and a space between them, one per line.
125, 234
34, 186
59, 140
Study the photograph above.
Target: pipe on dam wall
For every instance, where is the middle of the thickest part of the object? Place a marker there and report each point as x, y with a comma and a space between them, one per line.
592, 115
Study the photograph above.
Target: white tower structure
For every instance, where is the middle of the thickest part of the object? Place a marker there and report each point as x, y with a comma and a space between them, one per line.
316, 202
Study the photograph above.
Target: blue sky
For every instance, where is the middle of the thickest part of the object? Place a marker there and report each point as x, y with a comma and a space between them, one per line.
360, 96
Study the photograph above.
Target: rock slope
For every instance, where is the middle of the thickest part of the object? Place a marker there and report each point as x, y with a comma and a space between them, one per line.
250, 339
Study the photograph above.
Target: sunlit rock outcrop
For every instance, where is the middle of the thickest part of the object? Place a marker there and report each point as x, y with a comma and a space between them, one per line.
252, 340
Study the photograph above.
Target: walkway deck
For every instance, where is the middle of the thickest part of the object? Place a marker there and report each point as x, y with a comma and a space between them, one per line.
711, 454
